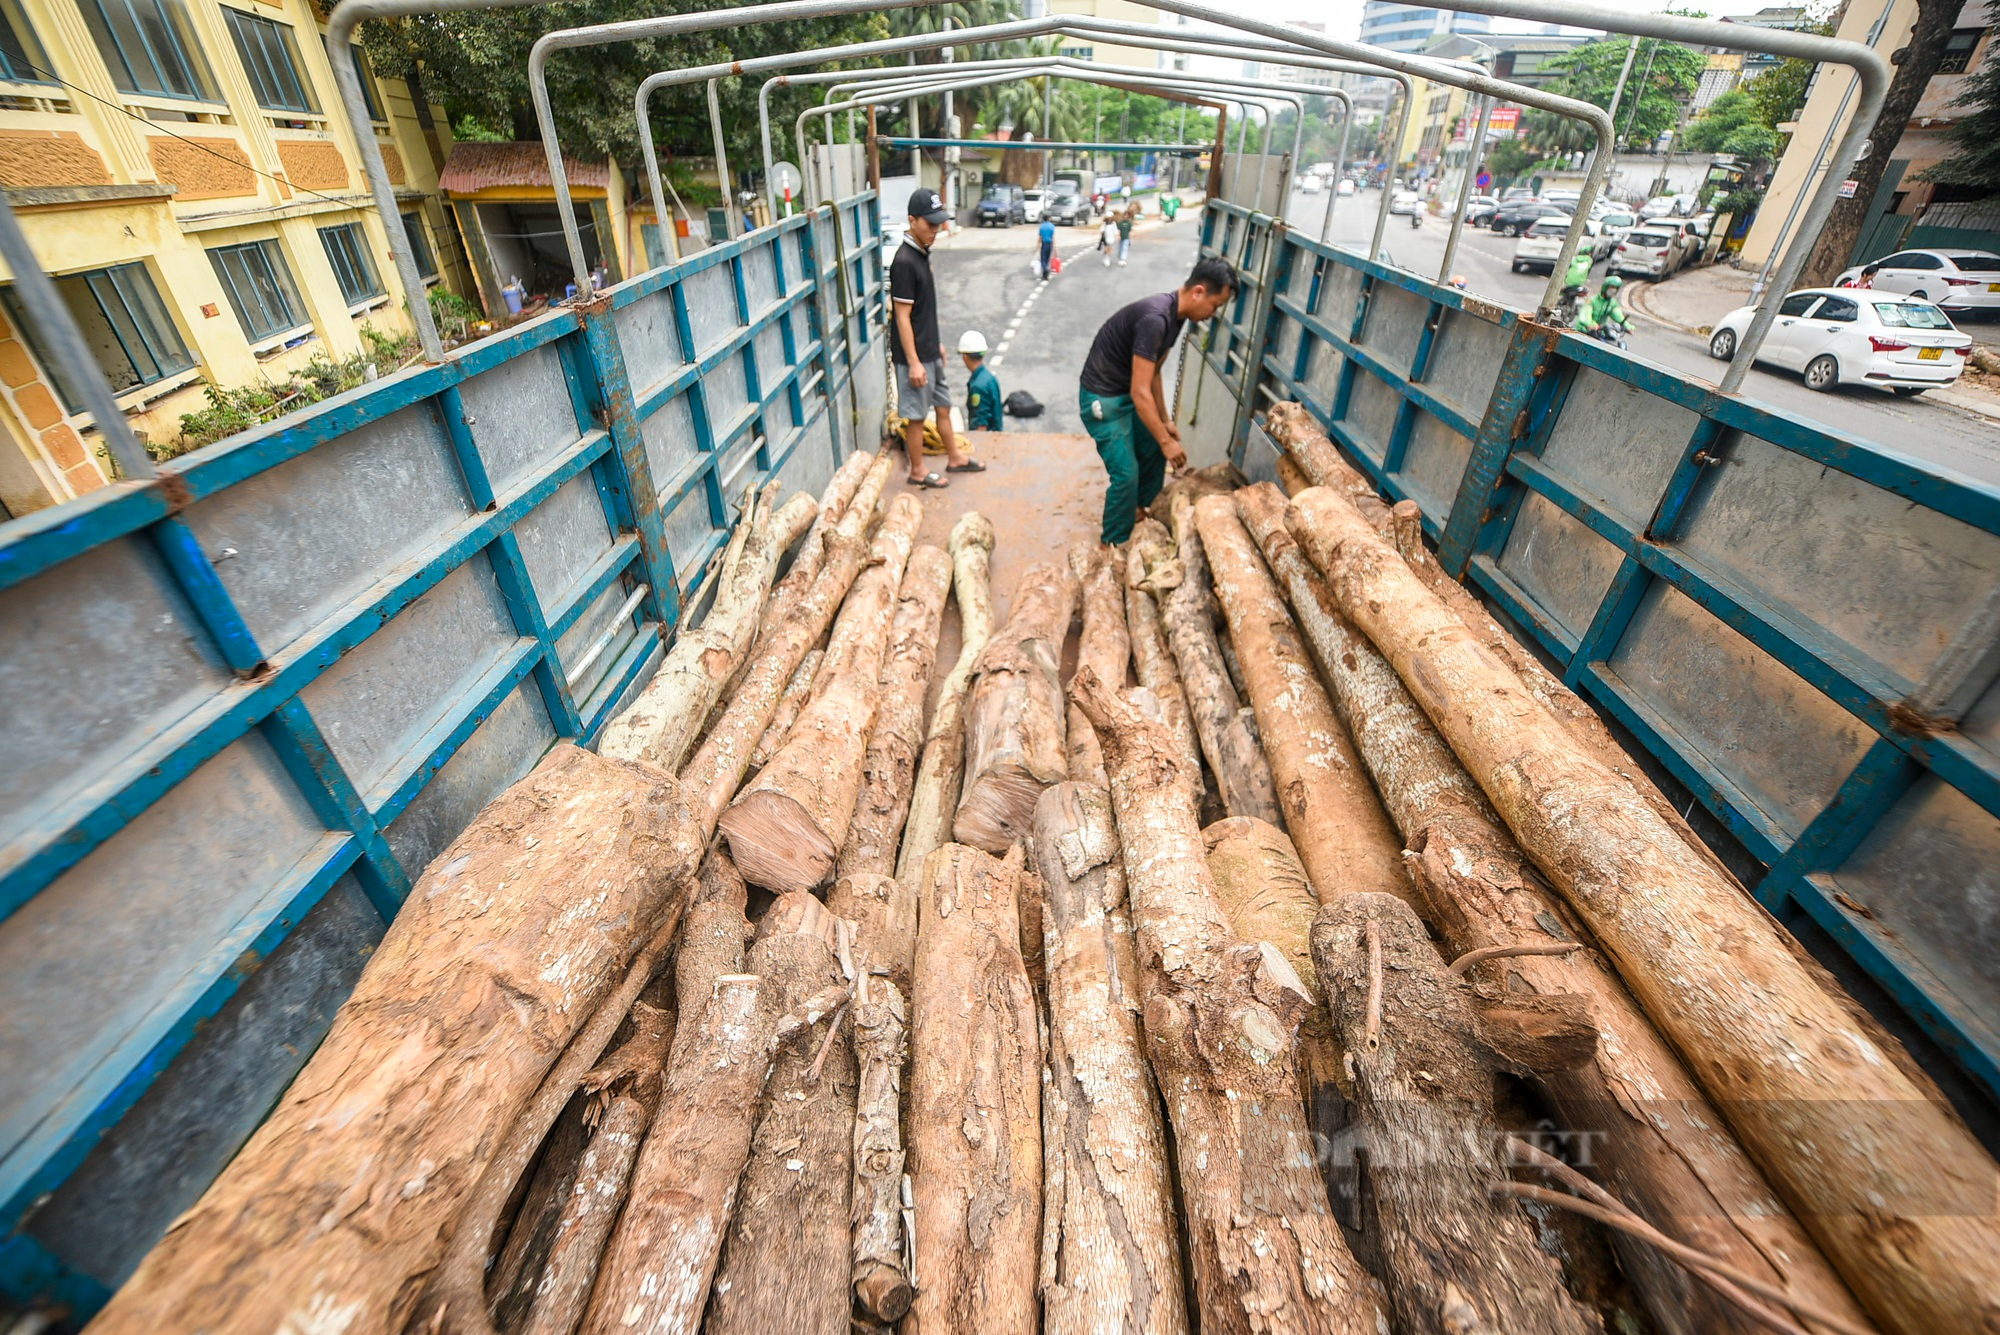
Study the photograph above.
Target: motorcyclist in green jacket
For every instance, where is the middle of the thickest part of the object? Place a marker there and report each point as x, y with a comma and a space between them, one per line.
1579, 269
1605, 309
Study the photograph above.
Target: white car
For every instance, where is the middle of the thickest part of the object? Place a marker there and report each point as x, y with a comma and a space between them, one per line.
1404, 201
1617, 222
1651, 250
1309, 184
1659, 206
1031, 204
1541, 245
1346, 186
1566, 200
1958, 280
1852, 336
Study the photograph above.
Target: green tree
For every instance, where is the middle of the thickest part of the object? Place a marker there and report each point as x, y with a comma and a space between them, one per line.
1974, 159
1652, 99
1727, 115
1509, 160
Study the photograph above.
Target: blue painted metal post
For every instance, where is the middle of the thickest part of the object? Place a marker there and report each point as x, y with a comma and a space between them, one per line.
1523, 366
638, 510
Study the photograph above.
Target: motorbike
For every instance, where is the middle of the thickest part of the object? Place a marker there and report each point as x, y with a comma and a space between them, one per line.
1614, 334
1567, 305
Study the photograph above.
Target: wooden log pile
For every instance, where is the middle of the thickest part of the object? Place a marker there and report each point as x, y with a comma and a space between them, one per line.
1226, 981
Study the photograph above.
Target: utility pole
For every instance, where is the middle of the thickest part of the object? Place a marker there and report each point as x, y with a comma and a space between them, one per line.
1639, 97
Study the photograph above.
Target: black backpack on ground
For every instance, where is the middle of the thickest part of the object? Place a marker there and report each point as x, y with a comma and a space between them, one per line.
1022, 404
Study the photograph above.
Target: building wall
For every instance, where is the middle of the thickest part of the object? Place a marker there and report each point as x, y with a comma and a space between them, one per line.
1407, 28
1105, 53
104, 177
1901, 201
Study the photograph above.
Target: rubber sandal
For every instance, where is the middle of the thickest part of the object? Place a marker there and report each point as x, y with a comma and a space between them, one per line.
930, 482
969, 466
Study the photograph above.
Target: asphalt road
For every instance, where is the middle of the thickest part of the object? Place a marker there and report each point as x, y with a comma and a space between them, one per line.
1040, 332
1925, 429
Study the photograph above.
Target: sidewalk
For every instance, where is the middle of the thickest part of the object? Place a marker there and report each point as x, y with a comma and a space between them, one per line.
1694, 299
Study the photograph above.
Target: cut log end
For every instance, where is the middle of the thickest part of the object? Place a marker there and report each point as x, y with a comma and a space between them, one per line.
998, 810
883, 1290
775, 844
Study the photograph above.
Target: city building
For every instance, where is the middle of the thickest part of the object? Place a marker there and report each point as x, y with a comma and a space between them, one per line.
504, 203
184, 170
1408, 28
1905, 212
1109, 53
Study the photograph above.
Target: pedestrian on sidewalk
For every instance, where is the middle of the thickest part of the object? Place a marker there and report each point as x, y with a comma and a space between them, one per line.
921, 388
1107, 238
982, 391
1120, 396
1047, 232
1125, 221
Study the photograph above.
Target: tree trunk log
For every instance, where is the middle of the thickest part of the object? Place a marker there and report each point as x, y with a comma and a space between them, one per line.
660, 727
517, 1270
848, 484
1291, 477
1454, 1257
883, 910
934, 796
1884, 1177
786, 828
482, 980
890, 766
1293, 426
1014, 714
1220, 1018
1111, 1242
718, 766
1242, 775
1651, 1132
1153, 664
975, 1103
790, 704
881, 1045
785, 1264
1337, 823
625, 1089
1106, 645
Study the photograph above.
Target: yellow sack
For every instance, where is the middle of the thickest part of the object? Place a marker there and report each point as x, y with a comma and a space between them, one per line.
899, 427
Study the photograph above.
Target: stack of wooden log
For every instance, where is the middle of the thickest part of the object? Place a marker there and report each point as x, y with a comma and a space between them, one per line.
1247, 934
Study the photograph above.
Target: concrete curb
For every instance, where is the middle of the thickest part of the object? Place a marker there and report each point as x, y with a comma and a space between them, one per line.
1635, 297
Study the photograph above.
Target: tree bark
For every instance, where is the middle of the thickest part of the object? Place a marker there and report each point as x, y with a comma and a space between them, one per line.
1220, 1018
1337, 823
624, 1090
975, 1103
848, 485
787, 826
517, 1270
1291, 477
481, 981
1916, 61
1111, 1242
1453, 1256
718, 766
1106, 645
1014, 714
934, 796
1293, 426
790, 704
1153, 664
1882, 1176
1188, 610
660, 727
883, 910
890, 766
1635, 1110
785, 1264
881, 1046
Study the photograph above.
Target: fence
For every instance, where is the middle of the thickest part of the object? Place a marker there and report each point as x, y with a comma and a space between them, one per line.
1801, 627
243, 705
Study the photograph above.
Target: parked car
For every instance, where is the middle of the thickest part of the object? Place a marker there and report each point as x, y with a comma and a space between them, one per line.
1617, 222
1566, 200
1651, 251
1961, 281
1841, 336
1516, 193
1481, 215
1541, 245
1513, 219
1032, 203
1692, 240
1067, 208
1000, 206
1478, 203
1346, 186
1404, 201
1659, 206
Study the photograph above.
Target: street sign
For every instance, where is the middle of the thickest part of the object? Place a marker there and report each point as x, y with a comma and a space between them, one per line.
785, 179
1847, 189
1485, 180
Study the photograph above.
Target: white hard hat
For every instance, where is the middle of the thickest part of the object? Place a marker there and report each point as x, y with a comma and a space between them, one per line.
972, 341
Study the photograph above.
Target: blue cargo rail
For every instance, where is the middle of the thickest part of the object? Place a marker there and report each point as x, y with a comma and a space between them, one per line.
245, 703
1800, 627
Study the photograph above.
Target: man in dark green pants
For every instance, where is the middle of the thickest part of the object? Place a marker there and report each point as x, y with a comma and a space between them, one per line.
1124, 408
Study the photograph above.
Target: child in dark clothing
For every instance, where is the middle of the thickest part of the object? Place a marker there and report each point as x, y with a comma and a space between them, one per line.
982, 396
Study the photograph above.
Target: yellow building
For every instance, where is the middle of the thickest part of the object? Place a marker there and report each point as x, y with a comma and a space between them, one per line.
184, 171
1105, 53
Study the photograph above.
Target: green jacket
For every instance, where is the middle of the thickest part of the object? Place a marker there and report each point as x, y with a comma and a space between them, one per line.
1579, 269
1602, 310
982, 402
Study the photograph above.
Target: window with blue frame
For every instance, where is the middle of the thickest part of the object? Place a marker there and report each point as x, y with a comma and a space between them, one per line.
124, 323
149, 48
271, 59
260, 288
22, 59
347, 251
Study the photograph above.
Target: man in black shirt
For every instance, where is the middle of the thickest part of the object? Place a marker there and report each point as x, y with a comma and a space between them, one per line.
914, 347
1120, 391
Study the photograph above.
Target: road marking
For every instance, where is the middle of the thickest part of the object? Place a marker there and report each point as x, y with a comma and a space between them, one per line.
996, 359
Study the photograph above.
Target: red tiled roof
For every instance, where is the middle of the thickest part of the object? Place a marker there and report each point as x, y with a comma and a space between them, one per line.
475, 167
